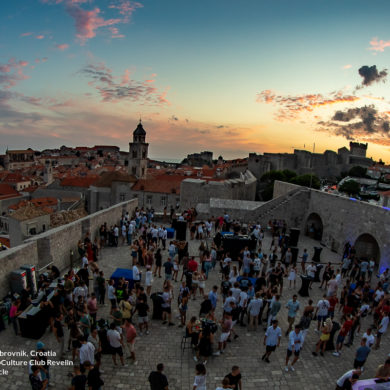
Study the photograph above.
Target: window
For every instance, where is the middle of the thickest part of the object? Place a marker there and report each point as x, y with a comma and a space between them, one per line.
122, 197
149, 199
144, 154
134, 170
143, 171
163, 201
43, 228
134, 154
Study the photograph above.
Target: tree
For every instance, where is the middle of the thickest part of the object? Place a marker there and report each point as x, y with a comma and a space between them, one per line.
350, 187
357, 171
307, 180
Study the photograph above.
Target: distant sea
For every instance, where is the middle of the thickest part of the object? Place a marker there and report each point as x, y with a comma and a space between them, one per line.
168, 160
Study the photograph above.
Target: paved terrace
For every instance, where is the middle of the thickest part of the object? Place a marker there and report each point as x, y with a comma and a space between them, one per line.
163, 345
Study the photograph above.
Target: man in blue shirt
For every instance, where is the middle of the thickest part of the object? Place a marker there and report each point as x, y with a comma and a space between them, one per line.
361, 354
293, 307
295, 341
213, 296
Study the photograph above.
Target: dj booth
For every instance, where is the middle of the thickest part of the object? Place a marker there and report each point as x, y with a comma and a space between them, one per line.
33, 321
235, 244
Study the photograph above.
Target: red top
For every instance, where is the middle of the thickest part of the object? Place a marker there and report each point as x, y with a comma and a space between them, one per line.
192, 265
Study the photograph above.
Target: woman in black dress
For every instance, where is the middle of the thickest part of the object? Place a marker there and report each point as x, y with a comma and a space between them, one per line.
158, 262
204, 350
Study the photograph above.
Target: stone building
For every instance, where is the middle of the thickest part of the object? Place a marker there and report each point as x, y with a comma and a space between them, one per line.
325, 165
199, 159
19, 159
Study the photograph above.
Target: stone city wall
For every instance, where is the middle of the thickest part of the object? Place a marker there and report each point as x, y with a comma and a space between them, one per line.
194, 191
55, 245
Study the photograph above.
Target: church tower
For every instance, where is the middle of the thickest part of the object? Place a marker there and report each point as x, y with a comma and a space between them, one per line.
138, 153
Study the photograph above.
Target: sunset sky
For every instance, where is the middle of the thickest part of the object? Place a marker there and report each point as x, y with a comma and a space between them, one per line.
227, 76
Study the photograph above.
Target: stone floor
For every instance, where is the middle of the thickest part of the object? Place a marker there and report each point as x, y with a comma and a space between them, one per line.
163, 345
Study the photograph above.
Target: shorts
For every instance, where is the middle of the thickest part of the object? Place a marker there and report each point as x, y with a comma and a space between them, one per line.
270, 348
247, 270
289, 352
142, 320
321, 318
131, 346
113, 303
168, 276
358, 364
166, 309
224, 337
116, 351
340, 339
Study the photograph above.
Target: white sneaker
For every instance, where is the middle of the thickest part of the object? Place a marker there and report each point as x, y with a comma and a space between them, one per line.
217, 353
195, 358
292, 368
147, 332
205, 362
336, 354
286, 368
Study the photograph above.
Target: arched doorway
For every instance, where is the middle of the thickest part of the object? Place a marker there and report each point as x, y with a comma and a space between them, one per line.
314, 226
366, 246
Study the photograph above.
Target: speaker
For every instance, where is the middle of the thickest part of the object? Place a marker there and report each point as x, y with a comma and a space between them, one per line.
317, 254
294, 237
181, 230
294, 257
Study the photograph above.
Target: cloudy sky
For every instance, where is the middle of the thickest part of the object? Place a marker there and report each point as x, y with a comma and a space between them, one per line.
232, 77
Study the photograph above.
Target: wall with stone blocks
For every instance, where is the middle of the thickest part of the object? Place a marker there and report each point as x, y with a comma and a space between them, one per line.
55, 245
12, 259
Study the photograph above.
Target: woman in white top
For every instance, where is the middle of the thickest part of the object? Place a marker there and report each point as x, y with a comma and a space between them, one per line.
148, 280
201, 282
233, 275
292, 276
200, 377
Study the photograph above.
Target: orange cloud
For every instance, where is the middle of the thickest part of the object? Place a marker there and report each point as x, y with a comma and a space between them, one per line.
62, 46
292, 106
40, 36
378, 45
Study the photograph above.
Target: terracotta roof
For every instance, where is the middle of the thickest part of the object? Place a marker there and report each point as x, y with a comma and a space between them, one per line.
107, 178
166, 184
6, 191
15, 178
5, 241
385, 193
43, 203
29, 211
79, 181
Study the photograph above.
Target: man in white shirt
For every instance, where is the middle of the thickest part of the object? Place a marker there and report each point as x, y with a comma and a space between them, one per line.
295, 341
236, 291
115, 340
254, 308
116, 235
381, 330
369, 337
311, 272
84, 261
351, 375
136, 273
111, 295
87, 351
322, 311
272, 339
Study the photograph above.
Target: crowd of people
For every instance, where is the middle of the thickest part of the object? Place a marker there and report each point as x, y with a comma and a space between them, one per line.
249, 293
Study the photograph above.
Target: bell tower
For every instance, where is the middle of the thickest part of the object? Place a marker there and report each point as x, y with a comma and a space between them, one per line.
138, 153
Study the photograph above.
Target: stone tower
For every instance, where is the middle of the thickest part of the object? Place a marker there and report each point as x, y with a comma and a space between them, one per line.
48, 173
138, 153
